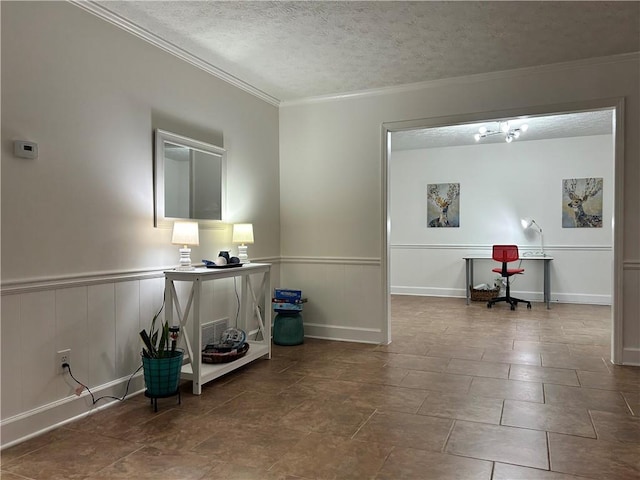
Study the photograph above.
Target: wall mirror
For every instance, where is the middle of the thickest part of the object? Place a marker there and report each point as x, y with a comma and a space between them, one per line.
190, 179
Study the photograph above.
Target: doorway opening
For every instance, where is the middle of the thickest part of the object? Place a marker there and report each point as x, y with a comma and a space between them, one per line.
437, 132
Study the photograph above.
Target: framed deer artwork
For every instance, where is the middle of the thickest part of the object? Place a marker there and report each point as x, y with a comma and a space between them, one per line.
582, 203
443, 206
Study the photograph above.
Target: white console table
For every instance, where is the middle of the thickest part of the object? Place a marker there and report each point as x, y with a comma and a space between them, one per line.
546, 286
195, 370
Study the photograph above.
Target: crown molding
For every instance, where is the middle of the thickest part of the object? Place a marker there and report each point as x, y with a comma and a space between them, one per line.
132, 28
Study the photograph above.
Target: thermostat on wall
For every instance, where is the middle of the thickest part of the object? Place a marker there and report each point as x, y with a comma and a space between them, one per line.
24, 149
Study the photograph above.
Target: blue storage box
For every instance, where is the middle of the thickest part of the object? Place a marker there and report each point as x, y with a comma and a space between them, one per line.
287, 306
287, 294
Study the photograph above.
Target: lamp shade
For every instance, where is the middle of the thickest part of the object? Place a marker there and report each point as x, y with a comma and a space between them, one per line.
185, 233
242, 233
526, 222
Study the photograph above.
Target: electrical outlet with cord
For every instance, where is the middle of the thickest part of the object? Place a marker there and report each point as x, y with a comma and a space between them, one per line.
81, 386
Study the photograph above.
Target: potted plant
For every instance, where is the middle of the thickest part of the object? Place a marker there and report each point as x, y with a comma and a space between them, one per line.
161, 360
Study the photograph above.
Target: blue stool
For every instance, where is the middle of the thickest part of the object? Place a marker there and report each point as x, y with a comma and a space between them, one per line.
288, 328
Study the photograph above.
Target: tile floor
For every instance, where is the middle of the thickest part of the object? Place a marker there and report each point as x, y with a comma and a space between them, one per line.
463, 392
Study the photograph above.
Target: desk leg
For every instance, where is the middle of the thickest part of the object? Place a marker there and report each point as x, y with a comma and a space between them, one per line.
468, 277
547, 283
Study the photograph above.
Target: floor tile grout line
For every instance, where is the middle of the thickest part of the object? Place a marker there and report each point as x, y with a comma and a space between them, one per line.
363, 424
446, 440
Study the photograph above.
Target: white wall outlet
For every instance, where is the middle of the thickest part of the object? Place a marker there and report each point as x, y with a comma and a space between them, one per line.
63, 356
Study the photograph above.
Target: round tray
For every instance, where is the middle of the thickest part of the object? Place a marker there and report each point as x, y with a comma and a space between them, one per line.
212, 356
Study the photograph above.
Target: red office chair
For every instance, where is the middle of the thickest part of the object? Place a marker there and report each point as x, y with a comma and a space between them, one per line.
506, 254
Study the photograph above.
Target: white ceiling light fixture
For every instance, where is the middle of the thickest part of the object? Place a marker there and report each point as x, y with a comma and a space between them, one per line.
504, 128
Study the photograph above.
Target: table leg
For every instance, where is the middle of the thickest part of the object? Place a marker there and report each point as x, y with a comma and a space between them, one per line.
468, 277
547, 283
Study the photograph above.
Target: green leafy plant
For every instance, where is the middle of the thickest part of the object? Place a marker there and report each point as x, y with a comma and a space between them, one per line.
160, 342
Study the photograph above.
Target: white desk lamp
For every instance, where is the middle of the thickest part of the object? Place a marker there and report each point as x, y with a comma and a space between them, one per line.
528, 222
185, 234
242, 233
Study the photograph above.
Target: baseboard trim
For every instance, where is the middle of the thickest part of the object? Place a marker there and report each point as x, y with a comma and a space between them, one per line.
631, 356
48, 417
342, 333
581, 298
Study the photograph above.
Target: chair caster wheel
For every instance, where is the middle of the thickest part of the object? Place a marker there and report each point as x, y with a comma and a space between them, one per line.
528, 306
489, 305
513, 307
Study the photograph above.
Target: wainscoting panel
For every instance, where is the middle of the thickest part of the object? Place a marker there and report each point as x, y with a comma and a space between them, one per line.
579, 274
344, 296
99, 322
99, 318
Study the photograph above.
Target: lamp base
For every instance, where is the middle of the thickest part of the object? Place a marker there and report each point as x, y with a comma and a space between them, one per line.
185, 260
242, 254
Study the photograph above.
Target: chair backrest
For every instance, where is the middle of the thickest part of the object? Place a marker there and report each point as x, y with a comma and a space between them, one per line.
505, 253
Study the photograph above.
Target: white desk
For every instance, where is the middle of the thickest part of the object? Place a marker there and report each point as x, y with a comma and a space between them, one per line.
546, 288
195, 370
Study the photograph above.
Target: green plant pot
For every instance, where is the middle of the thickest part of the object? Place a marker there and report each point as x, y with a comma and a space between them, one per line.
162, 375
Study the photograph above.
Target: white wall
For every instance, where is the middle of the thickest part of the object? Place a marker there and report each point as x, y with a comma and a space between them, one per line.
333, 214
81, 260
500, 184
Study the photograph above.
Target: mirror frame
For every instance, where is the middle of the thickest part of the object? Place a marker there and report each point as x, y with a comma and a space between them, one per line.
162, 136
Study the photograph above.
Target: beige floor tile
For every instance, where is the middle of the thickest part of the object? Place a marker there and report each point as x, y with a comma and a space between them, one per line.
595, 458
258, 447
375, 375
388, 398
406, 430
503, 471
577, 362
462, 407
609, 381
331, 457
511, 356
151, 463
409, 346
511, 389
360, 357
439, 382
633, 400
72, 455
590, 398
10, 476
453, 351
335, 418
228, 471
501, 444
478, 369
417, 362
315, 387
412, 464
530, 373
264, 382
252, 407
319, 368
550, 418
540, 347
616, 427
9, 454
603, 351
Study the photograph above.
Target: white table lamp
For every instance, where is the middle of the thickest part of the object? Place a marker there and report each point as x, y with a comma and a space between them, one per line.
185, 234
528, 222
242, 233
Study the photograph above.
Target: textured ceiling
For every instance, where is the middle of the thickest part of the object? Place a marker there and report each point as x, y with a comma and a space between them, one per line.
294, 50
